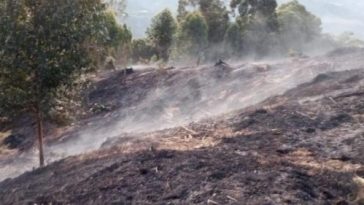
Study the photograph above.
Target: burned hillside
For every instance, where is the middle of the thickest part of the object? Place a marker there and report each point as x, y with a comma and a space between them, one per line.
299, 142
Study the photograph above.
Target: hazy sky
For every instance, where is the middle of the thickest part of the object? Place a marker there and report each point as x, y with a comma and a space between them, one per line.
337, 15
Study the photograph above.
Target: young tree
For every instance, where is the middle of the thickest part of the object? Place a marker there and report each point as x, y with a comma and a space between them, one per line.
258, 20
182, 9
234, 40
161, 33
215, 14
45, 45
257, 13
217, 19
119, 39
117, 35
297, 25
142, 51
192, 35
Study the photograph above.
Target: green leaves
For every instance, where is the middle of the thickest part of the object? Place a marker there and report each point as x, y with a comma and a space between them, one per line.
297, 25
161, 33
45, 44
193, 34
217, 19
214, 12
111, 33
234, 39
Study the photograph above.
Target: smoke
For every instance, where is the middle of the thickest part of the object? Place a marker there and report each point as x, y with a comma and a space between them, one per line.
186, 95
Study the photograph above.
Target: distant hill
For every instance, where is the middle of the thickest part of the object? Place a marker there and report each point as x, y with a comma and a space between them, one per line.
337, 15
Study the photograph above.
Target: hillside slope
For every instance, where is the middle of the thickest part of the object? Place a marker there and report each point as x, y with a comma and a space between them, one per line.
300, 147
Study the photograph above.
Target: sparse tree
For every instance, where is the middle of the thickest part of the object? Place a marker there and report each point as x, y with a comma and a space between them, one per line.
45, 46
117, 35
215, 14
192, 35
234, 40
117, 42
257, 13
217, 19
182, 9
258, 20
161, 33
297, 26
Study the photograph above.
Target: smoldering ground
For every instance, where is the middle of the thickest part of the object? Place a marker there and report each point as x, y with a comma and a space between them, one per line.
155, 99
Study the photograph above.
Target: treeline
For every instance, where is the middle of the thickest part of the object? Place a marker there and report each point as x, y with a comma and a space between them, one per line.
205, 30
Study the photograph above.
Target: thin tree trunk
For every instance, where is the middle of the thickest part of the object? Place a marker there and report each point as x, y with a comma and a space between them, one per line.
40, 136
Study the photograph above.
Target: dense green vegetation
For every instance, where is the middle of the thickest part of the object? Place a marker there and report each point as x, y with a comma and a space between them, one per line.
45, 46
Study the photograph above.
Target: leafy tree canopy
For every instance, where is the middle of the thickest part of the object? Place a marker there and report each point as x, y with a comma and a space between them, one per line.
215, 13
256, 13
161, 33
45, 45
192, 35
116, 34
234, 39
294, 18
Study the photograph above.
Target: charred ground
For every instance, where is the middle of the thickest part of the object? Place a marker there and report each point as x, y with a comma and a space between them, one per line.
302, 147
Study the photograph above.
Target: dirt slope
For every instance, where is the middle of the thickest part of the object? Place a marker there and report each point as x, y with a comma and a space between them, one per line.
302, 147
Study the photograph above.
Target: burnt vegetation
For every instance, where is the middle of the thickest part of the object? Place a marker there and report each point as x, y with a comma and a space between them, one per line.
196, 121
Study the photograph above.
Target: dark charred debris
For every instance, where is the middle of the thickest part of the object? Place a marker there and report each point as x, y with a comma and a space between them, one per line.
15, 141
